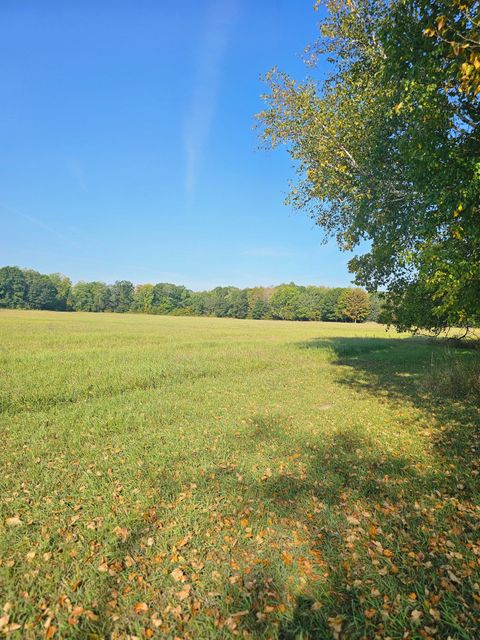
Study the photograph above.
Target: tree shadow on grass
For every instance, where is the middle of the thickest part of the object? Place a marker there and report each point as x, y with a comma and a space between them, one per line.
384, 526
400, 370
325, 503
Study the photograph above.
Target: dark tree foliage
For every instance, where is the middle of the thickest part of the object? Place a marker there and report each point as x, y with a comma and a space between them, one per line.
63, 286
121, 296
12, 288
40, 292
330, 310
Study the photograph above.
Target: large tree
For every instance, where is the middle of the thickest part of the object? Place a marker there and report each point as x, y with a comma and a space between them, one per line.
41, 292
12, 287
387, 145
354, 305
121, 296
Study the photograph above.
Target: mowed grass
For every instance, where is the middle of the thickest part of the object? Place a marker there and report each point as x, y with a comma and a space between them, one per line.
209, 478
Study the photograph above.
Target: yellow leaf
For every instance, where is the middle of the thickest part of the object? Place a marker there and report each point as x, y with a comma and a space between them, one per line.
141, 607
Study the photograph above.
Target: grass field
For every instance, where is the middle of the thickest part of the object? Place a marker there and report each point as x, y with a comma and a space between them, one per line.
208, 478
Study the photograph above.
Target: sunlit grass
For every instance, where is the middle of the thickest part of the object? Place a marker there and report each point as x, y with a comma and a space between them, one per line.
208, 478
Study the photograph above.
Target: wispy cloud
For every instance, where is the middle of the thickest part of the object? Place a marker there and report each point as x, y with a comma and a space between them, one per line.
77, 173
266, 252
37, 222
214, 40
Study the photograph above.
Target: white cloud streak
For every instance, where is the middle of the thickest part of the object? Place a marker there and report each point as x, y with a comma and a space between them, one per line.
77, 173
209, 60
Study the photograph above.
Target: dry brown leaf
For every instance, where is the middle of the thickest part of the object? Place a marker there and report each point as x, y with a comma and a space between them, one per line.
141, 607
14, 521
267, 474
122, 533
184, 593
184, 541
156, 621
178, 575
129, 561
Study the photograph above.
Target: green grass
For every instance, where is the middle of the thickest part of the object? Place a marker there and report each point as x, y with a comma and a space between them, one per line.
207, 478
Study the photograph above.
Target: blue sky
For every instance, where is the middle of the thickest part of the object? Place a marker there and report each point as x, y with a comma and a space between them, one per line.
128, 149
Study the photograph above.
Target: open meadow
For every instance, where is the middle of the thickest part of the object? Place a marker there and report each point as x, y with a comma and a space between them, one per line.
176, 477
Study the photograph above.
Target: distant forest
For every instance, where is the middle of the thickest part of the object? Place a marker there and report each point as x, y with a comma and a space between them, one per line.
28, 289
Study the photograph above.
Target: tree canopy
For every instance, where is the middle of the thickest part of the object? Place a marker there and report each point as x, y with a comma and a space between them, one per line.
387, 149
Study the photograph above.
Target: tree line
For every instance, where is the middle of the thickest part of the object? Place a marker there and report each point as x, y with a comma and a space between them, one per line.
29, 289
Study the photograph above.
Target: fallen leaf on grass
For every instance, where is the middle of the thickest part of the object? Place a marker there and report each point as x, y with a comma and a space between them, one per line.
336, 625
267, 474
141, 607
122, 533
156, 621
14, 521
184, 593
178, 575
129, 561
416, 615
184, 541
